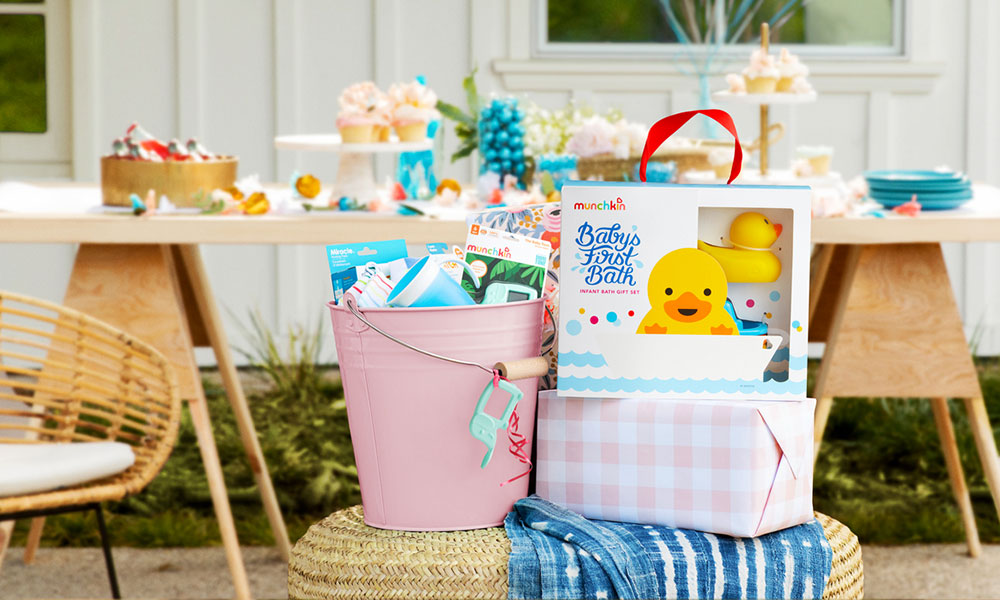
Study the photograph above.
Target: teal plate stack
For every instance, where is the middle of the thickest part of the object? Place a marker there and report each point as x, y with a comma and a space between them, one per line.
935, 190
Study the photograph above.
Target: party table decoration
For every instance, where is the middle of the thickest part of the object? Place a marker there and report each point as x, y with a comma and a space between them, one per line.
355, 175
797, 93
501, 138
140, 162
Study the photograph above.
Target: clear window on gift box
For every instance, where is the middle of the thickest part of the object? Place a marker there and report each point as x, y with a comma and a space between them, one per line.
755, 241
665, 27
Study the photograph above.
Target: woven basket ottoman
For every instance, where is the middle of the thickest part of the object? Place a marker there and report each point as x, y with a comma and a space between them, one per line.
341, 557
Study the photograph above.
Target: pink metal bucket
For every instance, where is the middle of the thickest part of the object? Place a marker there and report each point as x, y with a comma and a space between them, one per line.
418, 464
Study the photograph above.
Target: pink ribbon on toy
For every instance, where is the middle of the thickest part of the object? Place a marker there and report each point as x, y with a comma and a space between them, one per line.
516, 448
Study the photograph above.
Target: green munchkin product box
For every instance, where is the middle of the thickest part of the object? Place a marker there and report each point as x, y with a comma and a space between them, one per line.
511, 267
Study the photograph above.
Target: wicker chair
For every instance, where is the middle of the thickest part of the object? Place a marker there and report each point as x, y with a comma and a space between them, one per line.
68, 378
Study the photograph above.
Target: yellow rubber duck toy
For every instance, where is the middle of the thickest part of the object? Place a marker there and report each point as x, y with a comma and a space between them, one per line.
687, 292
748, 260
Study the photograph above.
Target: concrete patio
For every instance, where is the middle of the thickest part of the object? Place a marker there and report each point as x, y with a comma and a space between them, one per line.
914, 571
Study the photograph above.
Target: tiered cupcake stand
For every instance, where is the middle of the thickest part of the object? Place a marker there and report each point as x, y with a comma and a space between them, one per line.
765, 101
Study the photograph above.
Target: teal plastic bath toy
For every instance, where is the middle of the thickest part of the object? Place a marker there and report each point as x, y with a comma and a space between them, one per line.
484, 426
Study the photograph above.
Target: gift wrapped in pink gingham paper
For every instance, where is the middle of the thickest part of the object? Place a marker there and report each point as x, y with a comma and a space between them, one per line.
740, 468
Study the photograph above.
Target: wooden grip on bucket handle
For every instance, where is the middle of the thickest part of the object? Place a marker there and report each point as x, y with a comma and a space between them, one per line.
524, 368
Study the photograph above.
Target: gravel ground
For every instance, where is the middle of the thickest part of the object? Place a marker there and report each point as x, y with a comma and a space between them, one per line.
173, 573
914, 571
930, 571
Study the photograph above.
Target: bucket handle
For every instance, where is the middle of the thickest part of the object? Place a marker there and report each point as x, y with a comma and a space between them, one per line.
517, 369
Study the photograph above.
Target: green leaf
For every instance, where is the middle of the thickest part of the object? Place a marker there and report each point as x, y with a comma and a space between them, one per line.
450, 111
500, 268
471, 93
464, 151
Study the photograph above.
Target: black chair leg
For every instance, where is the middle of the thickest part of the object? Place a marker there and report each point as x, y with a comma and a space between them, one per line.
109, 561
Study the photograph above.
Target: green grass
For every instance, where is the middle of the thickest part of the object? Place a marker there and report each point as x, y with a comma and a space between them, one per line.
880, 470
22, 73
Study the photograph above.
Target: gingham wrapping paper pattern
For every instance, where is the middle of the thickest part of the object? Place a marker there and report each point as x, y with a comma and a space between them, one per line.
790, 501
705, 465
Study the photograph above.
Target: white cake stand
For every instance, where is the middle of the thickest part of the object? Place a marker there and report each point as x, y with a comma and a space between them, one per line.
355, 175
764, 101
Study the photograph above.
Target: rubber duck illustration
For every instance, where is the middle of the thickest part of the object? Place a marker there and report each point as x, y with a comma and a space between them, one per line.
748, 260
687, 292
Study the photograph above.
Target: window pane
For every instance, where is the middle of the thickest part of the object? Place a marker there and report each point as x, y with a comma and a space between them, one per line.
828, 22
604, 21
22, 73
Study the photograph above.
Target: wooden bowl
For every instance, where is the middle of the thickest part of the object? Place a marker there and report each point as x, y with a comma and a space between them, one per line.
180, 181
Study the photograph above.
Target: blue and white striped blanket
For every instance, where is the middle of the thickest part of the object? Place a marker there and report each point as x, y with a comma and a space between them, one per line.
556, 553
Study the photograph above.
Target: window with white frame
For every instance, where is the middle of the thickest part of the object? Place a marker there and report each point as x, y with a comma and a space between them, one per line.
34, 88
22, 67
655, 27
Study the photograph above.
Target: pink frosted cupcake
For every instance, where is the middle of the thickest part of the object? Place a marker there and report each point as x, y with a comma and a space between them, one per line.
413, 107
761, 75
789, 69
358, 117
383, 117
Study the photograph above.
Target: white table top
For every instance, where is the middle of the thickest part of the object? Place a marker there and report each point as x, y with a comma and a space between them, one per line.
979, 220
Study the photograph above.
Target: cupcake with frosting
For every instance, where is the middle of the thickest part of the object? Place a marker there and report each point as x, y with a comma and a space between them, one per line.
800, 85
761, 76
789, 69
817, 157
721, 161
382, 112
357, 118
413, 107
737, 85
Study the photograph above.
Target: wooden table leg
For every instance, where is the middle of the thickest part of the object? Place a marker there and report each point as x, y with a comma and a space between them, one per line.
841, 288
819, 268
135, 288
896, 332
985, 445
942, 419
192, 272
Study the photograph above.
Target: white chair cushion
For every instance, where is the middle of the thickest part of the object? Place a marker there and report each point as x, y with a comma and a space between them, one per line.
30, 468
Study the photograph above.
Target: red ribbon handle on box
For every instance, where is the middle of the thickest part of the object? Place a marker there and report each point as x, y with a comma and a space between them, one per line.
667, 126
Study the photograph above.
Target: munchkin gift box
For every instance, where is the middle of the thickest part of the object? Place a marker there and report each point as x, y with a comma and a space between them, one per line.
683, 291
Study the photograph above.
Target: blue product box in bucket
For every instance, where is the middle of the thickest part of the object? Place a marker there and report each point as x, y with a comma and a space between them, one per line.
345, 259
441, 405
